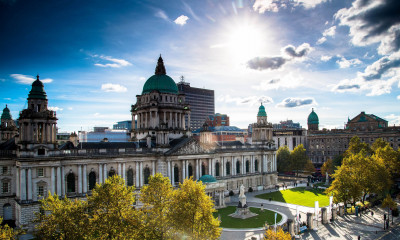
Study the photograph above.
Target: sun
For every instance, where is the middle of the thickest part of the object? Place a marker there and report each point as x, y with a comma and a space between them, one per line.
245, 41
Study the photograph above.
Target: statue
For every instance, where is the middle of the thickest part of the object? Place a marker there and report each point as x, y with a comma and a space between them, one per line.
327, 179
242, 197
242, 210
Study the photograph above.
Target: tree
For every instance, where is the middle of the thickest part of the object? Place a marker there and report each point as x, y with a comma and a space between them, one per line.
192, 212
283, 159
343, 188
389, 157
309, 167
337, 160
298, 158
157, 202
6, 232
356, 146
328, 167
270, 234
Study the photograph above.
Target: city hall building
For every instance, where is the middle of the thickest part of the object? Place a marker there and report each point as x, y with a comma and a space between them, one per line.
33, 163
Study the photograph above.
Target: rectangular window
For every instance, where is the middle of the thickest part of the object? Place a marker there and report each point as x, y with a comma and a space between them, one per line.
40, 172
40, 191
5, 187
4, 170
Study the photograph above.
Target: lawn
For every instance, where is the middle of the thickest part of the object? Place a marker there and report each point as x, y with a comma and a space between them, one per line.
298, 196
253, 222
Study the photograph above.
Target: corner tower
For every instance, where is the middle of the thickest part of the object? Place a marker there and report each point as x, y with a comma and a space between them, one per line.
160, 110
38, 125
313, 121
262, 130
8, 129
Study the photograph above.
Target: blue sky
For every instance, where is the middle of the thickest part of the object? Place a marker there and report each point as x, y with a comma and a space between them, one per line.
339, 57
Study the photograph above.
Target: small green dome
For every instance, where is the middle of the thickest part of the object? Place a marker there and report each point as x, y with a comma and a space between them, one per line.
160, 81
37, 91
313, 118
261, 111
6, 114
207, 179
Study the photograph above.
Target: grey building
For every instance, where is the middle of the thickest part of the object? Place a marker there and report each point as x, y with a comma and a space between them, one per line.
201, 103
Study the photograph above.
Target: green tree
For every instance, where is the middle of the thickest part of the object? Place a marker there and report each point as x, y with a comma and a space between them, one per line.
343, 188
309, 167
389, 157
270, 234
192, 212
6, 232
356, 146
337, 160
63, 219
298, 159
283, 159
328, 167
157, 202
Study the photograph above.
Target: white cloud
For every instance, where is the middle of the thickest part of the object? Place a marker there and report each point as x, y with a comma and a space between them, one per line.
161, 14
262, 6
8, 99
55, 109
26, 79
326, 58
142, 78
346, 63
398, 97
393, 119
109, 87
321, 40
330, 32
309, 3
181, 20
115, 62
251, 101
292, 102
281, 82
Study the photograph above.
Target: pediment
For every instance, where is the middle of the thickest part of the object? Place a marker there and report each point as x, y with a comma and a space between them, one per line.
192, 146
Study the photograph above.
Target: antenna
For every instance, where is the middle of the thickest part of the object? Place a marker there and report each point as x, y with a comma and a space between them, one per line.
182, 79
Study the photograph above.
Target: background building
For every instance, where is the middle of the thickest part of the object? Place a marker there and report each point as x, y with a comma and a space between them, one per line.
290, 134
217, 119
201, 103
105, 134
124, 125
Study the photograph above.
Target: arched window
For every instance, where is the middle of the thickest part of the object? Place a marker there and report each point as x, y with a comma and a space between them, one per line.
203, 169
7, 212
146, 175
247, 166
256, 165
129, 176
238, 167
111, 172
92, 180
190, 170
228, 168
217, 169
176, 173
71, 182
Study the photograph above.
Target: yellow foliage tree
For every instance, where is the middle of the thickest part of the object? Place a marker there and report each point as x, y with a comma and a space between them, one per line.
6, 232
270, 234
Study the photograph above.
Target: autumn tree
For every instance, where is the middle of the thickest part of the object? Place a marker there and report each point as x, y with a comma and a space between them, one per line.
157, 202
192, 212
356, 146
328, 167
283, 159
270, 234
7, 232
298, 159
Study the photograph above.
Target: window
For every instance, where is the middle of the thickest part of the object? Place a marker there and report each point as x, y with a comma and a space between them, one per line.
146, 175
256, 165
92, 180
71, 182
111, 172
40, 191
130, 177
228, 168
5, 187
247, 166
217, 169
5, 170
237, 167
176, 173
203, 169
41, 151
40, 172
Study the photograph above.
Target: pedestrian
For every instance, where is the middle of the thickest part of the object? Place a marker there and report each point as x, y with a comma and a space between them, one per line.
372, 213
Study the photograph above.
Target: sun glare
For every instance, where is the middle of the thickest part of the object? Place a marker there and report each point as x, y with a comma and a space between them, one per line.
245, 42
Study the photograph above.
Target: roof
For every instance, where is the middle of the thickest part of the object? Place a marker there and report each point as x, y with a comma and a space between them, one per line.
313, 118
221, 129
6, 114
9, 145
37, 91
160, 81
207, 179
261, 111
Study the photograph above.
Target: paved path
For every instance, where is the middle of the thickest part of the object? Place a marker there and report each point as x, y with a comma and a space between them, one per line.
347, 227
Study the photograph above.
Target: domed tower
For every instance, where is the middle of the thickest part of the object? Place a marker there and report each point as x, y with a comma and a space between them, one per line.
262, 130
313, 121
38, 125
160, 110
8, 129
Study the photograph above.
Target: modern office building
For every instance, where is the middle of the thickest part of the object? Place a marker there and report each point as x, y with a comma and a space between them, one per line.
123, 125
201, 103
217, 120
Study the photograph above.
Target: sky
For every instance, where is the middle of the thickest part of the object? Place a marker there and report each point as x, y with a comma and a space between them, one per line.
339, 57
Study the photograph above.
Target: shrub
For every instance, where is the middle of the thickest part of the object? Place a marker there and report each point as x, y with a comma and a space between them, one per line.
250, 189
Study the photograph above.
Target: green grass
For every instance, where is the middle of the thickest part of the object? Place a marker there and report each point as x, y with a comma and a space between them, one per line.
253, 222
298, 196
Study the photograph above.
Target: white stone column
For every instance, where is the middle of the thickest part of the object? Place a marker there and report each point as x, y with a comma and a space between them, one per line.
100, 173
153, 168
63, 180
209, 166
29, 183
17, 183
233, 166
80, 179
243, 166
59, 177
172, 174
120, 169
105, 173
197, 169
137, 175
275, 169
188, 121
169, 170
183, 170
123, 172
53, 181
84, 175
141, 174
23, 184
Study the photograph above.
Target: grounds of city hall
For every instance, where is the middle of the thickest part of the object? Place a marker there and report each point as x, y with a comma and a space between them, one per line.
299, 196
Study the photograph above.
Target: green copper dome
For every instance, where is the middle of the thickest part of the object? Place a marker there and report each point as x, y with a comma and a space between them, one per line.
6, 114
160, 81
261, 111
313, 118
37, 91
207, 179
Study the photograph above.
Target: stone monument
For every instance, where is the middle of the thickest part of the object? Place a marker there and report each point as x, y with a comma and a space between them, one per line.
242, 210
327, 179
